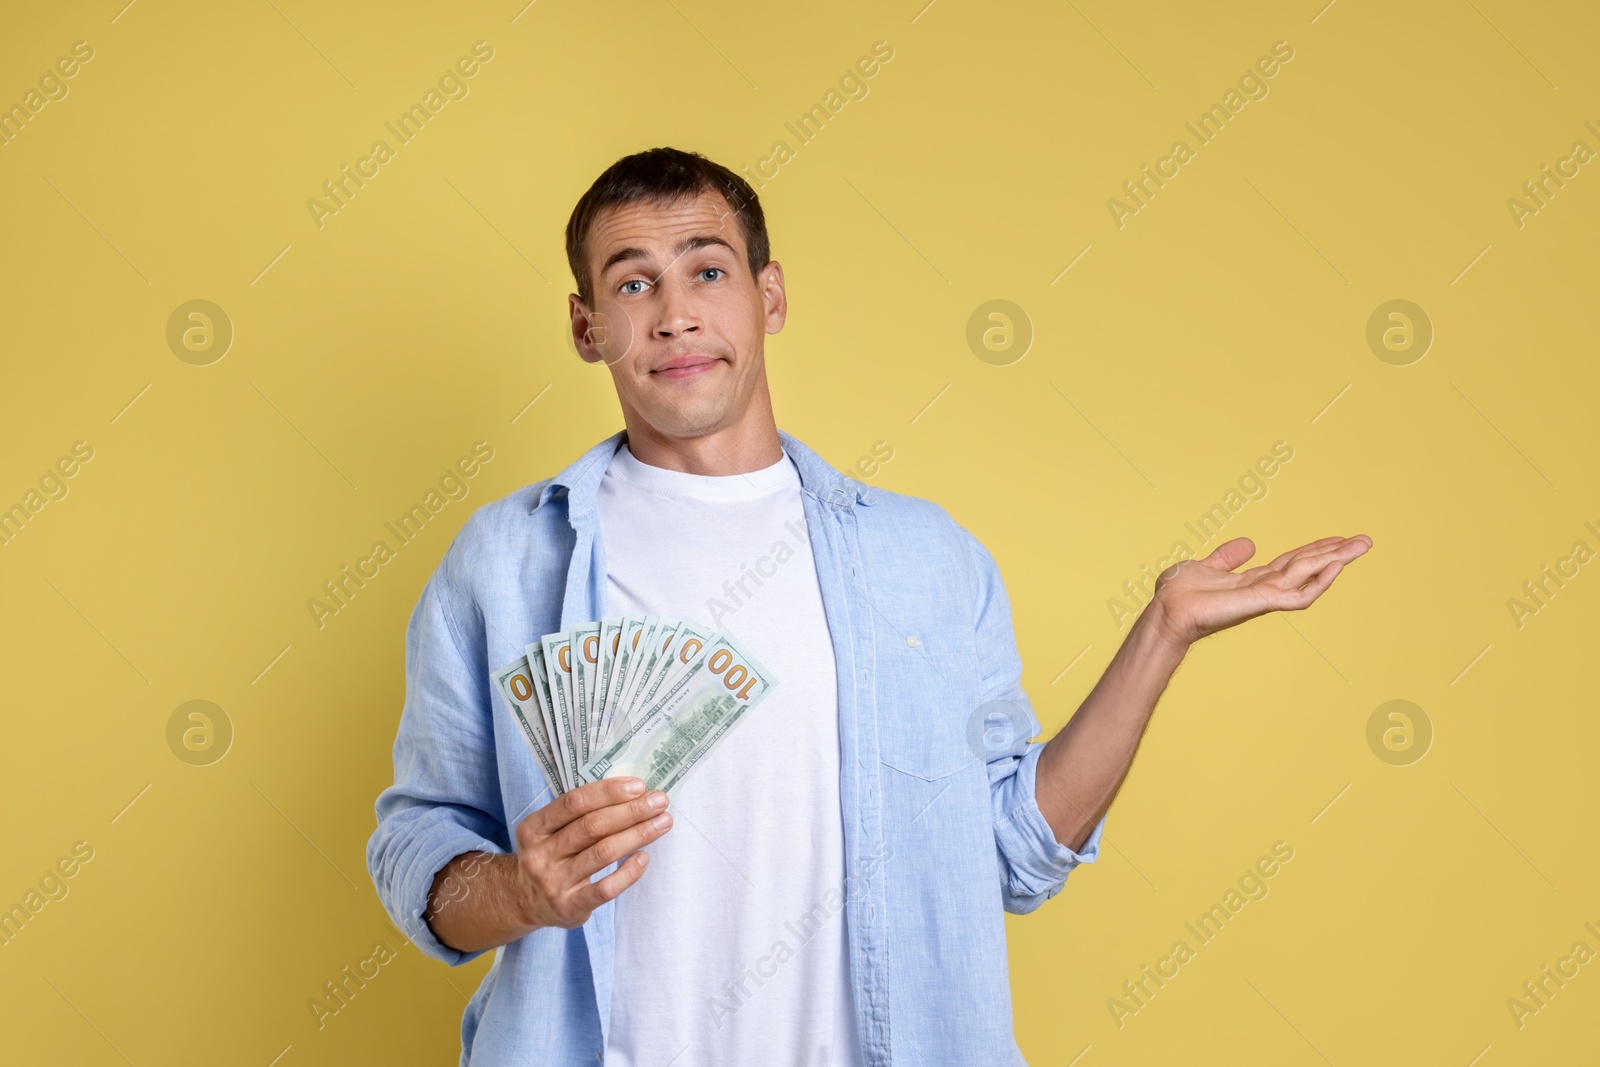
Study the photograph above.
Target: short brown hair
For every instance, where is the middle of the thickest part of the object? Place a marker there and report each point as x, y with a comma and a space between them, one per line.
664, 175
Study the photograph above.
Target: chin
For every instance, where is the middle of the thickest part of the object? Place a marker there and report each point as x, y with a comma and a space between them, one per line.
689, 420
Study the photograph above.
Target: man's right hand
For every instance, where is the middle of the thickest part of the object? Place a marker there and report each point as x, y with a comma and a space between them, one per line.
563, 844
480, 901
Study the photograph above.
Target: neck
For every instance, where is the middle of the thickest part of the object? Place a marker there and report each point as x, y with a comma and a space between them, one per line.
751, 443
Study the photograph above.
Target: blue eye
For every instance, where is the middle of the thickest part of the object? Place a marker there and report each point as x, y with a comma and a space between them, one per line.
632, 281
712, 270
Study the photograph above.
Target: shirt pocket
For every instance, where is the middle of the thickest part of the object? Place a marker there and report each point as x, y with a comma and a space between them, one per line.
927, 701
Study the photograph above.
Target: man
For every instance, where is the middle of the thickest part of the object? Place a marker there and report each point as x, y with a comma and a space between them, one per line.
829, 886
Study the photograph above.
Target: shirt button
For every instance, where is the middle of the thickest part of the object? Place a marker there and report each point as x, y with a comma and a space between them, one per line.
912, 641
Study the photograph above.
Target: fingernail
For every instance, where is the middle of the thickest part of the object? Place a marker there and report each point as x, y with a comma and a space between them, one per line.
660, 822
633, 787
657, 800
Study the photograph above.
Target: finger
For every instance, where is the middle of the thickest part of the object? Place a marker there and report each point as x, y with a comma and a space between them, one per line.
1305, 567
586, 798
1347, 547
1230, 554
601, 823
592, 895
609, 850
1297, 599
1320, 543
1302, 569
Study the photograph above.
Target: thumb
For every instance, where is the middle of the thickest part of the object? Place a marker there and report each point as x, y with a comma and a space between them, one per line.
1230, 554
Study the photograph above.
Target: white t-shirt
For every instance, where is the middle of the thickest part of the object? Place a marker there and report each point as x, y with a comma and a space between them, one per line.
732, 947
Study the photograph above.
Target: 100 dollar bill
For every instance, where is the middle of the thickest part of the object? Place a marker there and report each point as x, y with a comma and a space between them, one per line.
679, 649
517, 686
699, 705
556, 650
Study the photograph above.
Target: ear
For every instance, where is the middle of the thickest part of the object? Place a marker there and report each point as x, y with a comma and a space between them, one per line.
583, 323
775, 301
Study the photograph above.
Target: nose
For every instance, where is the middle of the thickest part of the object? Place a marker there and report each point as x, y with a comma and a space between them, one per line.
678, 317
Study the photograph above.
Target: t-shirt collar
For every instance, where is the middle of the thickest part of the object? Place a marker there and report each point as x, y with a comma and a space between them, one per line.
626, 467
579, 482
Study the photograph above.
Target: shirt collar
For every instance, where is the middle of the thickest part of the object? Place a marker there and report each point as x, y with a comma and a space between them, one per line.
579, 483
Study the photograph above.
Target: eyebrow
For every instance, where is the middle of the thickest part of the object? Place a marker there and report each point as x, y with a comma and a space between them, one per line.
687, 245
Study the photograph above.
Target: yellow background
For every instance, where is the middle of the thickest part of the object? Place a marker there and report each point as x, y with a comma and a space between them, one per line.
1228, 314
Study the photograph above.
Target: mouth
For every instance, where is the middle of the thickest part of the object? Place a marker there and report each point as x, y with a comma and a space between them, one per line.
686, 366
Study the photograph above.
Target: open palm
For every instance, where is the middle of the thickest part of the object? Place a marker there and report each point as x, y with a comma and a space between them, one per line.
1201, 597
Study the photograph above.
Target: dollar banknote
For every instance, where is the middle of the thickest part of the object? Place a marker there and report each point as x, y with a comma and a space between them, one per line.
629, 694
585, 661
612, 653
643, 656
517, 685
540, 674
557, 653
678, 648
666, 740
541, 693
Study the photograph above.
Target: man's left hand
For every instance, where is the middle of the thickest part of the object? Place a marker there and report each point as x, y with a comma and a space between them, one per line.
1197, 598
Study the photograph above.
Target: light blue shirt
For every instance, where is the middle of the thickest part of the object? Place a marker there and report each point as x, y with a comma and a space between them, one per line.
942, 833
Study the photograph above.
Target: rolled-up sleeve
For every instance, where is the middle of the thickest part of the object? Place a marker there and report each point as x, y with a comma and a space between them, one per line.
445, 799
1033, 864
1038, 863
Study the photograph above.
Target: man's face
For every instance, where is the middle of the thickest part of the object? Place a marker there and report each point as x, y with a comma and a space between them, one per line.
677, 316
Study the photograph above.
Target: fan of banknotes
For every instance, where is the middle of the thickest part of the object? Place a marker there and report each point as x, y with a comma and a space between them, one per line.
634, 695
